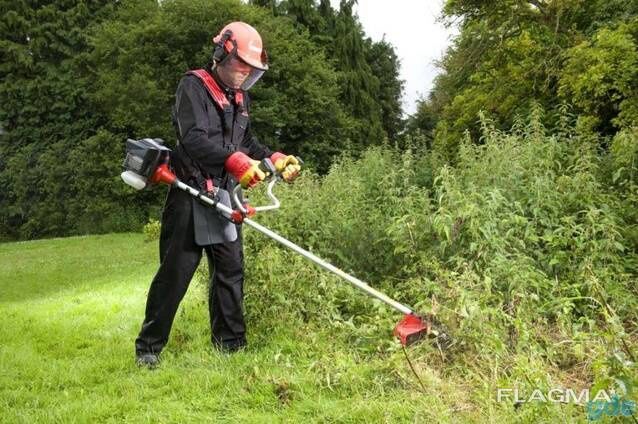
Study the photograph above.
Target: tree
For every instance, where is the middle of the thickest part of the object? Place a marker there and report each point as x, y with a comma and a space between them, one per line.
601, 78
368, 72
512, 54
385, 64
43, 111
79, 78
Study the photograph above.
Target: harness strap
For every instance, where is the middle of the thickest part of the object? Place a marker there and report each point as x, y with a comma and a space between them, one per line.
239, 98
212, 87
215, 90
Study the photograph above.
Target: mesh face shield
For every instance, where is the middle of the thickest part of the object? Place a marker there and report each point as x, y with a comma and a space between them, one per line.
252, 78
242, 74
259, 66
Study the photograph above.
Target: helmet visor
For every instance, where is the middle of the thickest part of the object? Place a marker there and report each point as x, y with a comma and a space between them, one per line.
241, 74
252, 78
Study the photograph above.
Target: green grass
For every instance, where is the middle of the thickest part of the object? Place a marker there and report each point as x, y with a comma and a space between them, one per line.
71, 309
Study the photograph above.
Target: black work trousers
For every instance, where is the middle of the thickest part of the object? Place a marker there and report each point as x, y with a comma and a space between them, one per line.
179, 258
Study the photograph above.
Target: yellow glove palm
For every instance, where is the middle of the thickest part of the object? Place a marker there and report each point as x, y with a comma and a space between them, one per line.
287, 165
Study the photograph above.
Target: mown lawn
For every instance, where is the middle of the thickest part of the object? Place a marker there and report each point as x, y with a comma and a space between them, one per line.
72, 307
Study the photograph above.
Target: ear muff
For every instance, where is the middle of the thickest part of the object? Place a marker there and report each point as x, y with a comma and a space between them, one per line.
219, 52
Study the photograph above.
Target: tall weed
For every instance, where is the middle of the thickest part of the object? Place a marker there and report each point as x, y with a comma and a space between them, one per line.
525, 249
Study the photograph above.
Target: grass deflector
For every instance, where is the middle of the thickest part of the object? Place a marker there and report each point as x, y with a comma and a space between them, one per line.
147, 164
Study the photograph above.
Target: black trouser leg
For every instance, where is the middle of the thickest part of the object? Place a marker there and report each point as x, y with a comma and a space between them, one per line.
226, 293
179, 256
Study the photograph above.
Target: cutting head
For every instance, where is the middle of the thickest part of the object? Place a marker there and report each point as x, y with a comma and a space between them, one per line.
411, 328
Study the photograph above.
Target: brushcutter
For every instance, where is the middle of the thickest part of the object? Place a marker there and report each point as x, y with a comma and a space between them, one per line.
147, 164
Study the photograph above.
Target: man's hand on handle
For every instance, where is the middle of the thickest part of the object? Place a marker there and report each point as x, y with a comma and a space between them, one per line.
244, 169
288, 166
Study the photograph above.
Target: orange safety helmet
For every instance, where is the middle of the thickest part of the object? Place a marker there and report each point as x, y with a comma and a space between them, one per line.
242, 41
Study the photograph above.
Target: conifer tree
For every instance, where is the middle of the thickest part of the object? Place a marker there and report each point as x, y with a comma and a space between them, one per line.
43, 110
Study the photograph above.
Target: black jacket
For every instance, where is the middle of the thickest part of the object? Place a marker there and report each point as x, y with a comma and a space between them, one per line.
208, 135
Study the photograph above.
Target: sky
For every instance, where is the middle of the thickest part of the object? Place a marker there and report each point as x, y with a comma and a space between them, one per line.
411, 27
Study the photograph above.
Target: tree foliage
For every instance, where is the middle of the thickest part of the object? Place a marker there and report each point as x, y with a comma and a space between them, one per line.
601, 77
513, 54
78, 78
368, 72
43, 113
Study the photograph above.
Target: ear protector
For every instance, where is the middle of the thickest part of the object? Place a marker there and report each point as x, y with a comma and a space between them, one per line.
219, 52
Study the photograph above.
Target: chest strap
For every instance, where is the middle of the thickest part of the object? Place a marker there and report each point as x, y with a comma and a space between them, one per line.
215, 90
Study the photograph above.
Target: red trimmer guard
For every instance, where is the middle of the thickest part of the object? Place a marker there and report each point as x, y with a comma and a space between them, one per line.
411, 328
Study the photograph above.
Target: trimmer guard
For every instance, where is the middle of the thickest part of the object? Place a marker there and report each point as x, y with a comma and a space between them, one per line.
209, 224
411, 328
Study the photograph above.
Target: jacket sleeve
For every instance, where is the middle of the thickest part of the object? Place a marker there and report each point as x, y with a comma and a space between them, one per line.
193, 122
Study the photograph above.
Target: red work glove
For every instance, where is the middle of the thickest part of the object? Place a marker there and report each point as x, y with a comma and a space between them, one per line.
244, 169
287, 165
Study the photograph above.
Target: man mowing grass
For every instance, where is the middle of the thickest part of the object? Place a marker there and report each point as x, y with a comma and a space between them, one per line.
215, 150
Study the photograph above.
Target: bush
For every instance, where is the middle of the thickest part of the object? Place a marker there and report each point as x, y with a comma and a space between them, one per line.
524, 243
152, 230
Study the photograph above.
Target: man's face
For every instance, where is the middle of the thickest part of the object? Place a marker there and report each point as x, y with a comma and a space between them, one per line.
233, 72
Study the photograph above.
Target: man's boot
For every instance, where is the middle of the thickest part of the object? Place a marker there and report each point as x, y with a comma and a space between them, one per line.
148, 360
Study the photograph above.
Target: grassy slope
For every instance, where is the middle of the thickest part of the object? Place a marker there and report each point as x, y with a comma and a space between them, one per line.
71, 309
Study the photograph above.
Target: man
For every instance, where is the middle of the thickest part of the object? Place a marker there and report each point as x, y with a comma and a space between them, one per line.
215, 150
